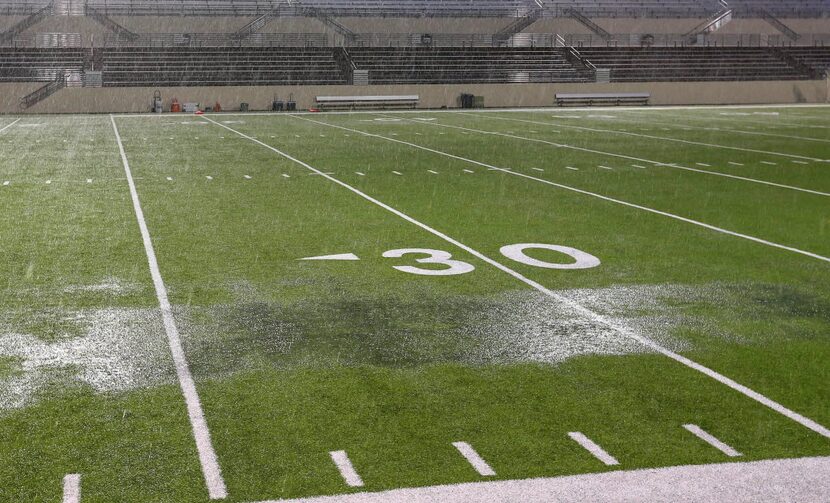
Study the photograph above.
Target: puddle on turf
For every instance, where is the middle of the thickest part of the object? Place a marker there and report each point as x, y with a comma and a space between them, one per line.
107, 350
122, 349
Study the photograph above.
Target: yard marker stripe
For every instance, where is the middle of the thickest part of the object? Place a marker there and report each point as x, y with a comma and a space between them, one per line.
474, 459
207, 456
347, 471
630, 158
593, 448
711, 440
663, 138
802, 420
739, 164
638, 166
72, 488
9, 125
581, 191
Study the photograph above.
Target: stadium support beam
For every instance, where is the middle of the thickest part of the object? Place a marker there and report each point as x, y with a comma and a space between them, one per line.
111, 25
586, 21
711, 25
776, 23
26, 23
517, 26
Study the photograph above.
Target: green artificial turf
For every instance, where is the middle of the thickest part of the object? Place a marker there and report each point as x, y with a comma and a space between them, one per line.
294, 359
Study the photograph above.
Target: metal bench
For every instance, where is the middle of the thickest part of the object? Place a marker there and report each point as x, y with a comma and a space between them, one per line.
351, 102
602, 99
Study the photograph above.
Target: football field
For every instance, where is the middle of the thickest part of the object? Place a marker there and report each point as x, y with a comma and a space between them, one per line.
251, 307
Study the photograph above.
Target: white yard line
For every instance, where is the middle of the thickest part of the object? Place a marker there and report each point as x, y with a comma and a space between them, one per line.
593, 448
628, 157
72, 488
652, 137
581, 191
801, 479
476, 461
711, 440
9, 125
346, 469
207, 456
804, 421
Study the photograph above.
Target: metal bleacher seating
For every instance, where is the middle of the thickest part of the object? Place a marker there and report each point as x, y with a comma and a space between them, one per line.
220, 66
814, 57
38, 65
666, 64
389, 65
781, 8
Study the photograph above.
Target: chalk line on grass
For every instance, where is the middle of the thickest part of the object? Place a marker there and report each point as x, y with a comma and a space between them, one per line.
207, 456
72, 488
475, 460
711, 440
346, 469
594, 448
7, 126
800, 419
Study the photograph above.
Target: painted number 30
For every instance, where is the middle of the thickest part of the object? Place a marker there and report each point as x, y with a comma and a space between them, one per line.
515, 252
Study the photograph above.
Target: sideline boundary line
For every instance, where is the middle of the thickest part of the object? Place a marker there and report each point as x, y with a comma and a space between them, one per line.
584, 192
207, 456
7, 126
579, 308
798, 479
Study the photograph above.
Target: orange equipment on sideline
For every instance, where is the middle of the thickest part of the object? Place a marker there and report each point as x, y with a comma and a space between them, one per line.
217, 107
175, 106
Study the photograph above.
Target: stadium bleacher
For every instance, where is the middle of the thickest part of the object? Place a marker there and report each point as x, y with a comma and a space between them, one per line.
814, 57
470, 65
667, 64
38, 65
219, 66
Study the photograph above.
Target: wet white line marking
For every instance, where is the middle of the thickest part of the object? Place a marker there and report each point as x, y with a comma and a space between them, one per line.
802, 420
638, 166
474, 459
593, 448
433, 172
604, 167
209, 177
398, 173
800, 162
207, 456
571, 167
630, 158
735, 163
10, 125
286, 176
72, 488
247, 177
359, 173
768, 163
468, 171
6, 182
580, 191
538, 169
169, 179
347, 471
662, 138
711, 440
703, 164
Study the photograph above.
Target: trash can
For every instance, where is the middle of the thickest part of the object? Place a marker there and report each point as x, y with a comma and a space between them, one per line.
243, 107
466, 100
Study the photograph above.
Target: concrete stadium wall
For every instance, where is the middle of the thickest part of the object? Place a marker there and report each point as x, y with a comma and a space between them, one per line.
211, 24
138, 99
